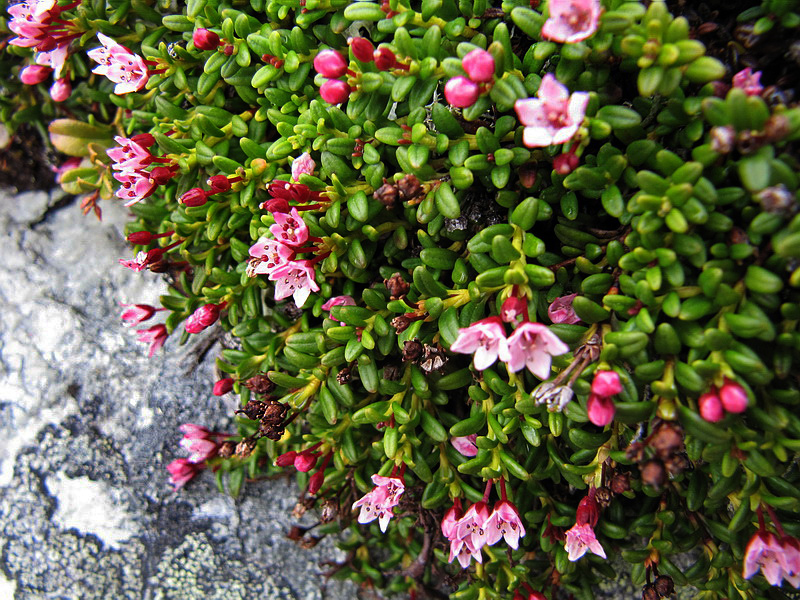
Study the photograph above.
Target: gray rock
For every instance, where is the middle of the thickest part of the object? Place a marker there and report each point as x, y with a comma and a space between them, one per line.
88, 424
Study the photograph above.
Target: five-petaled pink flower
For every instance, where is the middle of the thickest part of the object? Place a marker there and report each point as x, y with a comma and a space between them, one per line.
465, 444
296, 279
130, 155
471, 528
136, 186
198, 441
120, 65
485, 338
504, 522
155, 336
181, 471
138, 264
571, 20
561, 311
580, 540
765, 553
302, 165
268, 255
289, 228
748, 81
532, 345
553, 117
378, 503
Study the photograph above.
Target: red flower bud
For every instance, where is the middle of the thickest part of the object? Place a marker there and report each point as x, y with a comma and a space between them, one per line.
479, 65
334, 91
145, 140
194, 197
203, 317
219, 184
305, 461
588, 511
606, 383
565, 163
461, 92
362, 49
204, 39
34, 74
733, 397
384, 59
140, 238
61, 89
710, 407
330, 64
600, 409
223, 386
315, 482
161, 175
286, 459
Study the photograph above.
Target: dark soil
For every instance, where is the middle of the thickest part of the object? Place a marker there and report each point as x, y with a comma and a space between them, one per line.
26, 163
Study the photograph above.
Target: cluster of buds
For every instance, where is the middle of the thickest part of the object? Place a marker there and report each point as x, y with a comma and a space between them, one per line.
531, 345
332, 65
203, 317
463, 92
379, 503
580, 538
304, 462
407, 189
131, 159
731, 397
126, 69
470, 531
218, 184
202, 445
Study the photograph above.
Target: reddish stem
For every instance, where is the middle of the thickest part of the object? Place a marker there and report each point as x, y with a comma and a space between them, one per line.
760, 514
503, 490
319, 258
487, 491
775, 520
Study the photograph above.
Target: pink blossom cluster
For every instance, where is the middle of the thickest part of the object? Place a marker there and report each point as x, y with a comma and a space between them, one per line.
554, 116
137, 313
379, 503
132, 157
37, 25
531, 345
748, 81
600, 406
463, 92
202, 445
120, 65
580, 538
571, 21
332, 65
469, 532
776, 558
731, 397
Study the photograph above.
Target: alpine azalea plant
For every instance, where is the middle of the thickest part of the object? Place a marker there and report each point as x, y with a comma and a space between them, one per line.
512, 289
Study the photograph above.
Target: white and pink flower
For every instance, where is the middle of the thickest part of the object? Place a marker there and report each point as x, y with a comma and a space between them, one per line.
181, 471
296, 278
748, 81
504, 522
554, 116
485, 339
303, 165
580, 540
289, 228
379, 503
766, 554
267, 256
155, 336
561, 311
532, 345
466, 445
136, 313
571, 21
120, 65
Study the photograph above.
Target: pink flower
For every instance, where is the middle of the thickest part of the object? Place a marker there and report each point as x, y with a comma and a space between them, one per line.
461, 92
450, 520
486, 339
136, 186
571, 20
302, 165
33, 74
791, 555
181, 471
137, 313
553, 117
710, 406
197, 440
129, 155
606, 383
460, 549
479, 65
765, 552
378, 503
338, 301
733, 397
61, 89
120, 65
268, 255
582, 539
532, 345
466, 444
504, 522
223, 386
330, 64
155, 336
290, 229
296, 279
600, 409
472, 527
748, 81
138, 264
203, 317
55, 59
512, 308
561, 311
205, 39
334, 91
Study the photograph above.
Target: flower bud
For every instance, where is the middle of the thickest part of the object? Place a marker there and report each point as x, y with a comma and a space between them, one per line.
479, 65
140, 238
305, 461
606, 383
733, 397
384, 59
205, 39
223, 386
286, 459
194, 197
315, 482
710, 407
565, 163
145, 140
34, 74
330, 64
600, 409
461, 92
334, 91
219, 184
203, 317
161, 175
61, 90
362, 49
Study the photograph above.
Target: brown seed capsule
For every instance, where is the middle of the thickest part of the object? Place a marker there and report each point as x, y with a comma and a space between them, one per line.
603, 496
649, 592
386, 195
635, 452
397, 286
226, 449
433, 359
260, 384
722, 139
664, 585
343, 376
412, 351
391, 372
410, 188
245, 448
330, 510
653, 473
776, 199
620, 483
776, 128
402, 322
666, 440
748, 142
254, 409
274, 413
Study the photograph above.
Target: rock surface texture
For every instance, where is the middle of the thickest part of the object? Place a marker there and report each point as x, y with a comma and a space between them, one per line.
88, 424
